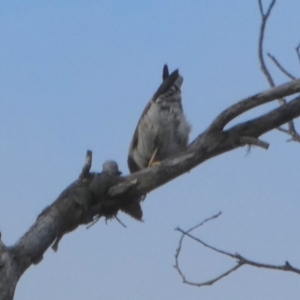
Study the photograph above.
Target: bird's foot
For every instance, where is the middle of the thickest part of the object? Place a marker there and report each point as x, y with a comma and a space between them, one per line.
151, 161
154, 163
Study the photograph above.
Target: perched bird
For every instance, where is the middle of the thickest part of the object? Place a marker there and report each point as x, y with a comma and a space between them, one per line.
162, 130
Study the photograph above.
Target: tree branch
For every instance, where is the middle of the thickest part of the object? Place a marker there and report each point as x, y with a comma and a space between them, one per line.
298, 52
241, 260
87, 166
280, 67
295, 136
66, 214
77, 204
282, 101
264, 19
244, 105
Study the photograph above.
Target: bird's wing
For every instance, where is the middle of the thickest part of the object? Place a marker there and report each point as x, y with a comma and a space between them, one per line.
168, 81
166, 84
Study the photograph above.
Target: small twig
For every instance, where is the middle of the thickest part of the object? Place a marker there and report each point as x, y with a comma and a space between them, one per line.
264, 19
178, 250
96, 219
246, 140
280, 67
120, 222
87, 166
298, 52
205, 244
241, 261
212, 281
294, 134
261, 9
205, 221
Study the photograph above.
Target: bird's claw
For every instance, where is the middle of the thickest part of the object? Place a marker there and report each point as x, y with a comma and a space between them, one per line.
154, 163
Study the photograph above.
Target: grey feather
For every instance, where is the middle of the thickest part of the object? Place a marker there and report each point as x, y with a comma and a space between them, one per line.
162, 125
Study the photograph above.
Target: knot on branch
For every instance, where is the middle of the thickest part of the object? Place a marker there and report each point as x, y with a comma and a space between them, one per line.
88, 199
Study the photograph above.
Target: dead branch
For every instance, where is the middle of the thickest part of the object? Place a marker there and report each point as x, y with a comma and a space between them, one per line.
77, 204
246, 140
240, 260
214, 141
295, 136
264, 19
280, 67
254, 101
87, 166
298, 52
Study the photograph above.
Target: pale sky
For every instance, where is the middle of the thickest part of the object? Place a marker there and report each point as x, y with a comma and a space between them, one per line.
76, 75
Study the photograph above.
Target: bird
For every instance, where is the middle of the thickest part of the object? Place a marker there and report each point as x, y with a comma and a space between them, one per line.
162, 130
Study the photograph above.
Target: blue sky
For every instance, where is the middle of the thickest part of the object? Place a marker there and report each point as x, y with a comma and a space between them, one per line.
76, 75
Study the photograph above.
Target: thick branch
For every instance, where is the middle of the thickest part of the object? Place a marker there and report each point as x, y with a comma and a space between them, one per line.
76, 205
244, 105
9, 273
269, 121
66, 212
208, 145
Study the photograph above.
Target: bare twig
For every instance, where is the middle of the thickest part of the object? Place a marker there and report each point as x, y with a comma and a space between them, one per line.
178, 250
264, 19
120, 222
280, 67
298, 52
295, 136
240, 260
205, 221
87, 166
254, 142
261, 9
95, 220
